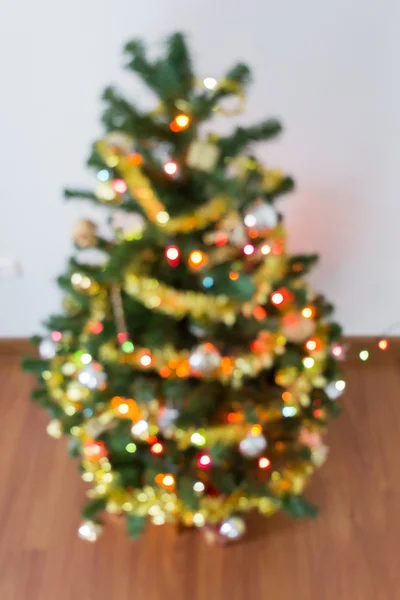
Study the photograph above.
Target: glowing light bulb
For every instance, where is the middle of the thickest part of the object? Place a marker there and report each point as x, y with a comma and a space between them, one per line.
120, 186
250, 220
364, 355
123, 408
289, 411
103, 175
56, 336
182, 121
198, 439
308, 362
277, 298
131, 448
170, 168
96, 327
311, 345
204, 460
337, 351
86, 358
265, 249
208, 282
162, 217
199, 486
172, 253
382, 345
248, 249
210, 83
145, 360
197, 259
307, 312
264, 462
127, 347
340, 385
157, 448
256, 430
233, 275
168, 480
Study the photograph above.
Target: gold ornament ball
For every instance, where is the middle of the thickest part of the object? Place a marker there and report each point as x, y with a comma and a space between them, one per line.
297, 328
84, 233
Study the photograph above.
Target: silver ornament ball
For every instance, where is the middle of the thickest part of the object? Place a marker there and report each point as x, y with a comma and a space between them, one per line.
47, 349
205, 358
262, 215
252, 445
92, 376
233, 528
335, 389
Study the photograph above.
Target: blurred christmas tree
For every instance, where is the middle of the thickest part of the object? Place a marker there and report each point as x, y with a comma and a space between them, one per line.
192, 368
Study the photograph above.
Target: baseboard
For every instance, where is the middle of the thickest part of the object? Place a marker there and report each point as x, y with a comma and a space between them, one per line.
352, 345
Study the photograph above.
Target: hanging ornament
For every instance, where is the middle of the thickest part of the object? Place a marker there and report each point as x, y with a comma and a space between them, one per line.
90, 531
202, 156
252, 445
92, 376
166, 418
84, 233
47, 349
335, 389
233, 528
297, 328
204, 359
262, 216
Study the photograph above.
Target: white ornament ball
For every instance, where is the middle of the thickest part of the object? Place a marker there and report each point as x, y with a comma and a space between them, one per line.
90, 531
252, 445
233, 528
92, 376
335, 389
297, 328
166, 418
205, 358
262, 215
47, 349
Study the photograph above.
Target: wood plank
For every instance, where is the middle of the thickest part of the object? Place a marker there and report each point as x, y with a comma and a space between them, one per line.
348, 552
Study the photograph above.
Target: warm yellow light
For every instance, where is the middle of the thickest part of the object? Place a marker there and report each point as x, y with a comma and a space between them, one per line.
256, 430
182, 121
170, 168
145, 360
196, 257
311, 345
307, 312
123, 408
168, 480
265, 249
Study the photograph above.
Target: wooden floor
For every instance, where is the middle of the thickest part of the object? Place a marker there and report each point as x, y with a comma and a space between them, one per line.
350, 552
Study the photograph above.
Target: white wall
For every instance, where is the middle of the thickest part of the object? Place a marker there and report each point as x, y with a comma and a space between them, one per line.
327, 68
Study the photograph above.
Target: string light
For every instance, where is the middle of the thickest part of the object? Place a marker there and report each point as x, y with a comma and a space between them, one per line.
180, 122
162, 217
248, 249
120, 186
197, 259
208, 282
198, 439
307, 312
264, 462
256, 430
96, 327
157, 448
259, 313
127, 347
311, 345
131, 448
146, 360
289, 411
56, 336
210, 83
140, 428
172, 254
364, 355
340, 385
277, 298
204, 460
265, 249
337, 351
123, 408
308, 362
383, 344
122, 337
250, 220
103, 175
86, 358
168, 480
170, 168
199, 486
233, 275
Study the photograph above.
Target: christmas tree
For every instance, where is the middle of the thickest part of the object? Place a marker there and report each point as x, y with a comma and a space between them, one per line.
193, 369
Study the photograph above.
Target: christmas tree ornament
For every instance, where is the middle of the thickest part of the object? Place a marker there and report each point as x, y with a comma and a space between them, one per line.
202, 156
105, 192
335, 389
85, 233
253, 445
47, 349
90, 531
92, 376
232, 529
297, 328
261, 217
204, 359
166, 418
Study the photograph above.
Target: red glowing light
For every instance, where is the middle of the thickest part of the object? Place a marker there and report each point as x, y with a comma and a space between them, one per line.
56, 336
96, 327
94, 450
172, 254
383, 344
248, 249
122, 337
157, 448
120, 186
264, 462
318, 413
221, 238
204, 460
